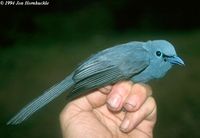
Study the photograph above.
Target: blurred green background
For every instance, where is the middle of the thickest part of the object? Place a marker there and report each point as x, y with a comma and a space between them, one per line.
40, 45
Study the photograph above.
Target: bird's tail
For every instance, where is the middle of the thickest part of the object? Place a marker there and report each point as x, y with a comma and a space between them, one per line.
41, 101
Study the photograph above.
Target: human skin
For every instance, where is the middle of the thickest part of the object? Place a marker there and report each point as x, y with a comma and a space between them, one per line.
120, 110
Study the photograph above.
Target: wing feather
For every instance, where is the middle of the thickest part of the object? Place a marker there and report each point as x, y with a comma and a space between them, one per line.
96, 80
108, 67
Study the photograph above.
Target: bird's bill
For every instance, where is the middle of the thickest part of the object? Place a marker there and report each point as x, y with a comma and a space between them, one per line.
175, 60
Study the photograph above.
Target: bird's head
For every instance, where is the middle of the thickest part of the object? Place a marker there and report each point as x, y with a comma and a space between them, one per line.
163, 56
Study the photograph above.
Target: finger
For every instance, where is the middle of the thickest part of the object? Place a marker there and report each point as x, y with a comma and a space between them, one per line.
133, 119
147, 125
137, 97
118, 95
86, 103
106, 89
82, 104
96, 98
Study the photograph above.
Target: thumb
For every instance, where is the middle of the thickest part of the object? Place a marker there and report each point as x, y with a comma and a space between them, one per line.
89, 102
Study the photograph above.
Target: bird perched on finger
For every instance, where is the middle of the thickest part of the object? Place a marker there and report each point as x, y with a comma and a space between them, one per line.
136, 61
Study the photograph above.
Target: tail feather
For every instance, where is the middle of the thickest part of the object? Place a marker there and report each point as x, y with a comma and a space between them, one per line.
41, 101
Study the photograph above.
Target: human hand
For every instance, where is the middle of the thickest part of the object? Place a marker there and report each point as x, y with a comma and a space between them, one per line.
122, 110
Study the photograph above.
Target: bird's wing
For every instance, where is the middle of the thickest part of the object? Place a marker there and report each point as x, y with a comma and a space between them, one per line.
98, 73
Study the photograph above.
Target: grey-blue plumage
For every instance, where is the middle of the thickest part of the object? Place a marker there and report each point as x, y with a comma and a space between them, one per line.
136, 61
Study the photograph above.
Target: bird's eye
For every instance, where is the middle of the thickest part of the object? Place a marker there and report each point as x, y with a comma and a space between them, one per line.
158, 53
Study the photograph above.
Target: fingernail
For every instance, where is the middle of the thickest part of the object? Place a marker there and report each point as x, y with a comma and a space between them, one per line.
114, 101
129, 106
125, 124
131, 103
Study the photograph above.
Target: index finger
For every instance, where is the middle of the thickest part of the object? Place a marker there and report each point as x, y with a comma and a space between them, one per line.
139, 93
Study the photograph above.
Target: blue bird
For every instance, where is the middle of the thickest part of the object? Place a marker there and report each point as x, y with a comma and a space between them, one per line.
136, 61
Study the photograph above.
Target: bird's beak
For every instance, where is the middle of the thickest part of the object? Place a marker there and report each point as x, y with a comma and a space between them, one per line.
175, 60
